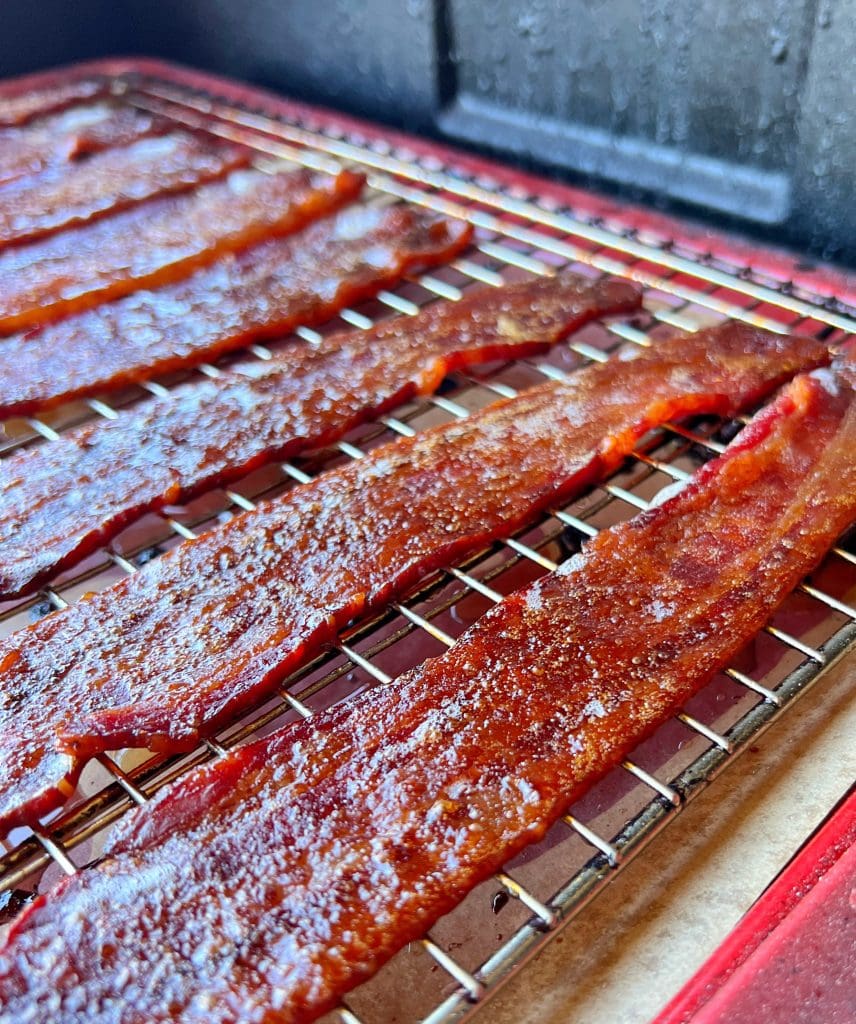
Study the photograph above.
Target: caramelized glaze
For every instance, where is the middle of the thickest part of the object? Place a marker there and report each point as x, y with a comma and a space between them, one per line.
78, 193
70, 135
22, 107
263, 292
64, 499
159, 242
266, 885
213, 625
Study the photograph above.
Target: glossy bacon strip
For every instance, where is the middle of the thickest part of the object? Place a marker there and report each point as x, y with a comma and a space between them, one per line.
266, 885
22, 107
264, 292
159, 242
65, 137
121, 127
60, 501
214, 624
110, 181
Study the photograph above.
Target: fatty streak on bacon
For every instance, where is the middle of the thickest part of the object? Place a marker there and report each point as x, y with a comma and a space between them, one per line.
263, 292
160, 242
206, 434
19, 108
61, 138
110, 181
213, 625
266, 885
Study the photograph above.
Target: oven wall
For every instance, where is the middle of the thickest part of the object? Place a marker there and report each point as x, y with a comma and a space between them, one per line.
740, 112
43, 33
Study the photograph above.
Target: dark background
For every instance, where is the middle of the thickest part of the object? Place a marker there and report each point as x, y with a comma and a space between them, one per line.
737, 111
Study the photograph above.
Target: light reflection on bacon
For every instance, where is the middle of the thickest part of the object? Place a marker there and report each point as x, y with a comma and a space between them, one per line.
264, 292
160, 242
113, 180
65, 137
212, 626
275, 879
61, 501
19, 108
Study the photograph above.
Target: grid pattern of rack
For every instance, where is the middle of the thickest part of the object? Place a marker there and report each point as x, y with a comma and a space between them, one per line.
465, 958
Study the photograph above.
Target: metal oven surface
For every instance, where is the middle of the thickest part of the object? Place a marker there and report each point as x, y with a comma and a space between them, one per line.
521, 229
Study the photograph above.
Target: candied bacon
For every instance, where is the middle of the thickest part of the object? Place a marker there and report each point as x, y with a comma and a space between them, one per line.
160, 241
19, 108
62, 500
70, 135
110, 181
267, 884
123, 126
216, 623
263, 292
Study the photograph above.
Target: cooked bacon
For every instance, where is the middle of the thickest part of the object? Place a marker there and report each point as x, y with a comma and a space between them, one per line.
60, 501
216, 623
110, 181
160, 241
23, 107
72, 134
123, 126
269, 883
263, 292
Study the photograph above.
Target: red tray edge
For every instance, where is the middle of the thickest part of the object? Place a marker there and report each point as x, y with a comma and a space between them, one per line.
825, 281
812, 862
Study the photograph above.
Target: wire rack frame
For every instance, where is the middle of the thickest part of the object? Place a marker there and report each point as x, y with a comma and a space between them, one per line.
518, 235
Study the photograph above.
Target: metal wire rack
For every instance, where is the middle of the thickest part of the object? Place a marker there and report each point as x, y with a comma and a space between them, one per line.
466, 958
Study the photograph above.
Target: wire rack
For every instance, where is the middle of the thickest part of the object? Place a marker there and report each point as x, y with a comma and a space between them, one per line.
468, 954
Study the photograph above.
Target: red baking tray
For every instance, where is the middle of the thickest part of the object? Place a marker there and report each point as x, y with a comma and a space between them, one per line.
792, 958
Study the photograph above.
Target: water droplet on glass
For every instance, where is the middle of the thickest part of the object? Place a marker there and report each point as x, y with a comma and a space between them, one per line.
779, 50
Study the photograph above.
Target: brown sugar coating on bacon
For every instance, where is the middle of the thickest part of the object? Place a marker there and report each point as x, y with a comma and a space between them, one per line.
22, 107
160, 241
62, 500
266, 885
60, 138
214, 624
107, 182
262, 292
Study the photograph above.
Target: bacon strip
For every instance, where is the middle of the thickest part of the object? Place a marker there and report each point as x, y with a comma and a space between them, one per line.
160, 242
23, 107
111, 181
123, 126
62, 500
274, 880
72, 134
216, 623
264, 292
